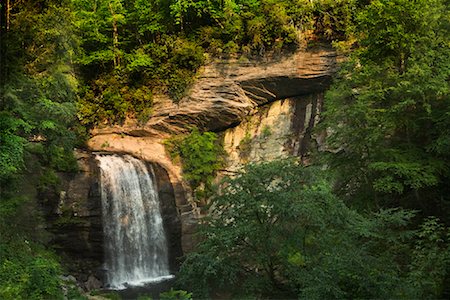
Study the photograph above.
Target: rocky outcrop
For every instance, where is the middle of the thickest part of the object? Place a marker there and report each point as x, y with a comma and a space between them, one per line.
227, 91
74, 219
234, 96
265, 109
170, 215
150, 148
276, 130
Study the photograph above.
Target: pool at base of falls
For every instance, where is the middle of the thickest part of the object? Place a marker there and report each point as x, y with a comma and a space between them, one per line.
141, 282
152, 289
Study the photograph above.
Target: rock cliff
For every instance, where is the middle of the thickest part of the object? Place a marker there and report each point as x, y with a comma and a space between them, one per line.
263, 110
276, 130
227, 91
74, 217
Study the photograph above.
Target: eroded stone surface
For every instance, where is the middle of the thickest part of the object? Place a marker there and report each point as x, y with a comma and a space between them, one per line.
265, 109
150, 148
74, 219
277, 130
226, 92
230, 94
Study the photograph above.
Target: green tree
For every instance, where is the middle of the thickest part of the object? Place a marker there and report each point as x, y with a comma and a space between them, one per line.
100, 24
388, 108
152, 18
276, 230
37, 115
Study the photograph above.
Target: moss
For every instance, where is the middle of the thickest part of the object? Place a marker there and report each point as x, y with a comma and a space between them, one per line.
266, 132
68, 221
68, 218
245, 146
48, 181
107, 295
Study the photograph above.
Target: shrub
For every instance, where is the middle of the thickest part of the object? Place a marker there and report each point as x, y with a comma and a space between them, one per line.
28, 272
200, 155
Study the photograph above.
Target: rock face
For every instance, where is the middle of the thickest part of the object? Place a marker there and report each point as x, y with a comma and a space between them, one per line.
226, 92
276, 130
171, 220
265, 109
75, 220
235, 97
150, 148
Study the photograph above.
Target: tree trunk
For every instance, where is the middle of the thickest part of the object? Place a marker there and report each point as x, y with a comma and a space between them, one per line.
5, 11
8, 14
115, 38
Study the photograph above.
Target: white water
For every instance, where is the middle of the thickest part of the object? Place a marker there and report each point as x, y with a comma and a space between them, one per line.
135, 242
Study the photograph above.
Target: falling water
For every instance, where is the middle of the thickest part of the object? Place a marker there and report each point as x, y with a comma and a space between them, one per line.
135, 242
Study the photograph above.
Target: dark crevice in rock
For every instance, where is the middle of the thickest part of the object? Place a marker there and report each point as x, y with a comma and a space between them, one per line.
263, 90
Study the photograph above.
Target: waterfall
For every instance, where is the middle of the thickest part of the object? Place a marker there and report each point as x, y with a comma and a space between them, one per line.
135, 242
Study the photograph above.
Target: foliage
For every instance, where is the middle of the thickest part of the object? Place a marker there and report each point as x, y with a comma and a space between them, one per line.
28, 272
277, 230
200, 155
388, 109
74, 294
245, 146
160, 45
111, 99
431, 260
266, 132
175, 295
11, 147
37, 112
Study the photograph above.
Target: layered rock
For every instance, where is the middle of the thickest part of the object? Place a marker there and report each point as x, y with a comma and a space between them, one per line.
74, 217
227, 91
150, 148
277, 130
265, 109
226, 94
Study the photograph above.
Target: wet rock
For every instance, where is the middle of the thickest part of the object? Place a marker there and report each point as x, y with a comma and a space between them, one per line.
93, 283
68, 278
74, 217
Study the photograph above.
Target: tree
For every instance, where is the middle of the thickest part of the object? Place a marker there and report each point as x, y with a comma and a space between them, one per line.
276, 230
200, 154
195, 11
37, 115
99, 23
388, 108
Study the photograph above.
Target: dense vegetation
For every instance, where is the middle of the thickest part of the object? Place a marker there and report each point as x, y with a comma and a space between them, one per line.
278, 231
389, 109
130, 50
375, 224
201, 157
37, 136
